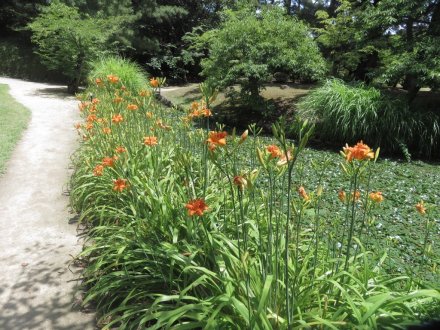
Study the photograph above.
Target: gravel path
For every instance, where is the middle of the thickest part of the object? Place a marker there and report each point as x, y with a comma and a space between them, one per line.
38, 234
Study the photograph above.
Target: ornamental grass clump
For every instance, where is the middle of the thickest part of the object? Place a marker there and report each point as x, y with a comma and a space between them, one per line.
192, 228
344, 112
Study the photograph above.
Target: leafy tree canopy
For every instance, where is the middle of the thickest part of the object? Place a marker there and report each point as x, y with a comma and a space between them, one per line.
389, 41
67, 40
250, 46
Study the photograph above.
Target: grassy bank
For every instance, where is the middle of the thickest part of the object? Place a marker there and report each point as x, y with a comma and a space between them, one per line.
13, 120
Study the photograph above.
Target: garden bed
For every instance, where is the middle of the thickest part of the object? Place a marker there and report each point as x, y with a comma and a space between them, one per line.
196, 229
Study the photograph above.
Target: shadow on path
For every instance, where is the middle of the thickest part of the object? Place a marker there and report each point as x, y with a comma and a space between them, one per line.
52, 92
24, 309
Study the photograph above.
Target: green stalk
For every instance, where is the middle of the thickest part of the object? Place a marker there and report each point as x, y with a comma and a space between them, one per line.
286, 255
353, 216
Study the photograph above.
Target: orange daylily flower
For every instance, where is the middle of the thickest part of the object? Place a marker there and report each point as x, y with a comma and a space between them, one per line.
98, 81
106, 130
217, 139
132, 107
108, 161
118, 99
274, 151
154, 82
117, 118
195, 106
120, 150
206, 112
144, 93
112, 78
150, 140
421, 207
89, 126
196, 207
376, 197
95, 101
342, 196
194, 114
120, 184
91, 118
82, 105
303, 194
356, 195
92, 109
360, 152
97, 171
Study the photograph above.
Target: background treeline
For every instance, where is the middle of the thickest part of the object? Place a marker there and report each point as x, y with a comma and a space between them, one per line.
393, 41
391, 46
150, 33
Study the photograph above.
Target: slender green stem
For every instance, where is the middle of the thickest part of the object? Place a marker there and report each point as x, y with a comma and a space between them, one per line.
352, 220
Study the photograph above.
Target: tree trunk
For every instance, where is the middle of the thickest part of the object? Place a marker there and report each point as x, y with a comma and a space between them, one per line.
73, 86
410, 83
254, 89
364, 66
332, 8
288, 6
434, 26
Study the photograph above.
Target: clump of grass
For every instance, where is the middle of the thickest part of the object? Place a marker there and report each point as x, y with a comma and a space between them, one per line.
14, 119
348, 113
133, 76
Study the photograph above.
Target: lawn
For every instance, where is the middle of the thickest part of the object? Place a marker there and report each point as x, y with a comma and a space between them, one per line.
283, 93
281, 99
13, 120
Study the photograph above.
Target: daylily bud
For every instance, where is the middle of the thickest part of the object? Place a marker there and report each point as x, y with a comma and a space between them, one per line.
260, 158
243, 136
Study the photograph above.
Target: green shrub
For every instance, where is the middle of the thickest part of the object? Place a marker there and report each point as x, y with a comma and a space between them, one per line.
67, 40
248, 48
348, 113
130, 73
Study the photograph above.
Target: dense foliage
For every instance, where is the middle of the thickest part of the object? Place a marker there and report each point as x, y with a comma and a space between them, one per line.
248, 48
387, 40
391, 41
195, 229
67, 41
349, 113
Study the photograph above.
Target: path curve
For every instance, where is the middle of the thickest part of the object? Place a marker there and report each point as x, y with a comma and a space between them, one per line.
37, 239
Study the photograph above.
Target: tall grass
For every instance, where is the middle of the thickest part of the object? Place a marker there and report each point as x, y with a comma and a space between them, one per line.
260, 256
348, 113
129, 72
